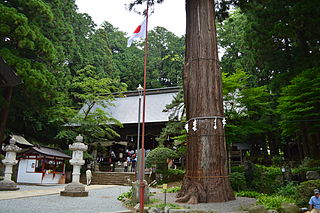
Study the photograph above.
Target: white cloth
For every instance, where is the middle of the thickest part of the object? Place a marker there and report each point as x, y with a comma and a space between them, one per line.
140, 32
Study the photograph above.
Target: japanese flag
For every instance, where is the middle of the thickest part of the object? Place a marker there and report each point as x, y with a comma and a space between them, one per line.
140, 32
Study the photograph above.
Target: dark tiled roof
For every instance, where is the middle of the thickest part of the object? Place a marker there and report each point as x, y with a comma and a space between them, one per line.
8, 78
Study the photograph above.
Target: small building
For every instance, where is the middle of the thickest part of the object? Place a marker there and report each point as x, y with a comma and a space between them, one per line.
237, 153
41, 165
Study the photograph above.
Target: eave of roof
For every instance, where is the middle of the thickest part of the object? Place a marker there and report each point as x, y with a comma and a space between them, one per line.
21, 140
50, 152
8, 78
153, 91
125, 109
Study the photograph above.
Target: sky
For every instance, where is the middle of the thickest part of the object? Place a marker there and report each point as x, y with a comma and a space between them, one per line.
170, 14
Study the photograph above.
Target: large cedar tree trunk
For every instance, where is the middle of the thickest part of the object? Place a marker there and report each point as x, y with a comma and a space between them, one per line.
206, 178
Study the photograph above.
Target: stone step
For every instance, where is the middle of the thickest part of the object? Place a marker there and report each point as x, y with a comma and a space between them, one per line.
109, 178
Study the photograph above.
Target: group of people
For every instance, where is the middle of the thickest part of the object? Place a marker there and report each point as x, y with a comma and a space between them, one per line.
130, 162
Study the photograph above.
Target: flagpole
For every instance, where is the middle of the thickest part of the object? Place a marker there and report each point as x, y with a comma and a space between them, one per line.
142, 169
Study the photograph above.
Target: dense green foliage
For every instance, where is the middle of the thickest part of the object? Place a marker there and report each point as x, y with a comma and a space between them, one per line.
170, 175
288, 190
269, 201
299, 107
274, 201
159, 157
67, 63
175, 127
252, 194
256, 178
306, 165
91, 90
166, 58
238, 181
267, 185
171, 189
276, 44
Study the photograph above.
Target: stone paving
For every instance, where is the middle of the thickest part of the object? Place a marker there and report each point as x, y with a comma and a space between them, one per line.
101, 199
33, 199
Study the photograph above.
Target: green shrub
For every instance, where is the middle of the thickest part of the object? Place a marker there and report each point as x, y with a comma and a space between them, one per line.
1, 157
172, 189
277, 161
127, 194
264, 179
288, 190
159, 157
268, 201
173, 172
302, 170
238, 181
170, 205
273, 201
305, 191
171, 175
237, 169
308, 164
252, 194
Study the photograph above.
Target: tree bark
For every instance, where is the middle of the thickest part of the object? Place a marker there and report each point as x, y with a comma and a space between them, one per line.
206, 178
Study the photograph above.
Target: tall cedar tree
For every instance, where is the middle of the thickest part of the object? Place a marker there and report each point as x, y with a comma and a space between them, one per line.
206, 178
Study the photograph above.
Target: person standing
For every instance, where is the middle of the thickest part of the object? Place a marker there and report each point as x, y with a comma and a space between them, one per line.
88, 176
315, 202
125, 164
133, 163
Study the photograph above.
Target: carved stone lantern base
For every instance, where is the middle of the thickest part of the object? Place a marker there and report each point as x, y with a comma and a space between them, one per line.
74, 190
8, 185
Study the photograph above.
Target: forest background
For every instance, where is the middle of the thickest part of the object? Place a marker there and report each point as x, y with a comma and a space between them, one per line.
271, 78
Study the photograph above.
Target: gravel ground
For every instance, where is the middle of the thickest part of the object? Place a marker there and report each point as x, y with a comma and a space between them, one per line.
101, 201
239, 204
38, 187
98, 201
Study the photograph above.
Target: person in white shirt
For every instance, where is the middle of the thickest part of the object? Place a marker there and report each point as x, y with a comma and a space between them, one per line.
125, 164
88, 176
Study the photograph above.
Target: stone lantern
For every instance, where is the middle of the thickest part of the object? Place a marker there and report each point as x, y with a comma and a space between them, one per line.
76, 189
10, 160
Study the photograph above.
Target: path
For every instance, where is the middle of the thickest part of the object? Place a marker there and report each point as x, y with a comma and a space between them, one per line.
33, 199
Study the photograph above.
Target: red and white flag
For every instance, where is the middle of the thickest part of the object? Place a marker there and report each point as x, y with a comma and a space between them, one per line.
140, 32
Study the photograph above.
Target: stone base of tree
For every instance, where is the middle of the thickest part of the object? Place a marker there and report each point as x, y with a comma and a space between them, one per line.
8, 186
75, 190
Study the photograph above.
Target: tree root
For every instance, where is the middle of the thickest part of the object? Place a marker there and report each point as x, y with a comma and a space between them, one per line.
191, 193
